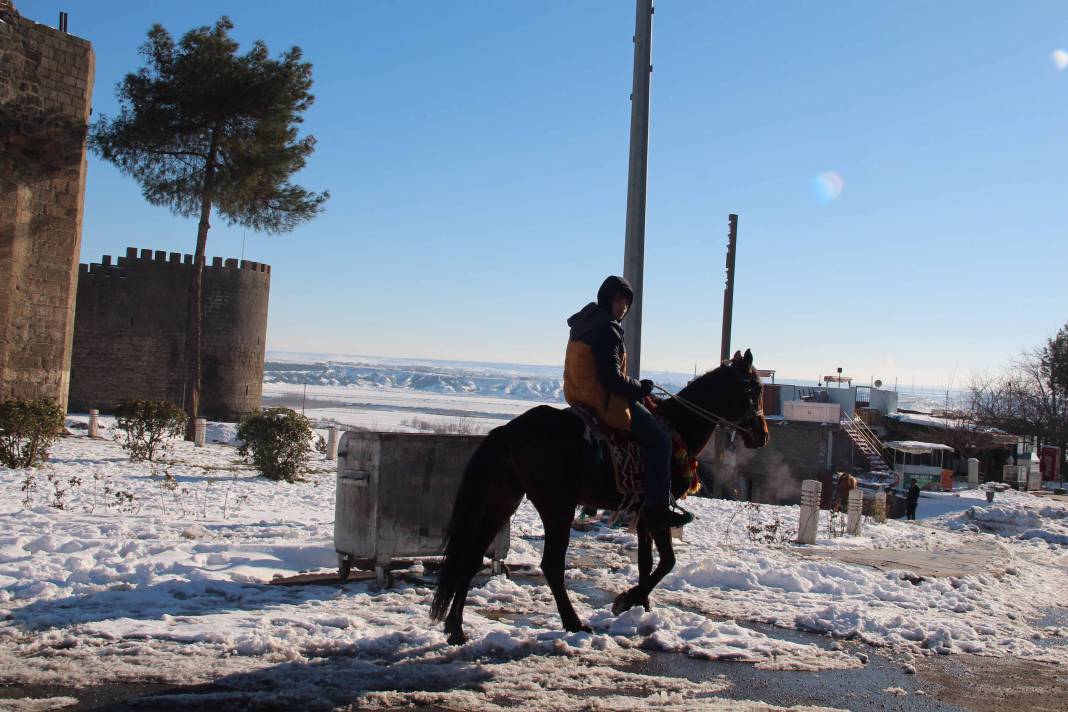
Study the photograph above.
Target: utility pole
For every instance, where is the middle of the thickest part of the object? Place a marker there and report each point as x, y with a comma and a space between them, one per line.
719, 441
728, 289
634, 253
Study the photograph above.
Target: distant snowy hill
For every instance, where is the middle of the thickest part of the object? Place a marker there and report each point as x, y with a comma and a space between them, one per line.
501, 380
435, 379
524, 382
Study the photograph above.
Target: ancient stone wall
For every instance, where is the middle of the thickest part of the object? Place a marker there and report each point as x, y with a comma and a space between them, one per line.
130, 330
46, 80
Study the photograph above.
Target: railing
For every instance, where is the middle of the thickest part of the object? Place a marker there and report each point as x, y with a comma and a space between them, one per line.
863, 397
865, 433
870, 416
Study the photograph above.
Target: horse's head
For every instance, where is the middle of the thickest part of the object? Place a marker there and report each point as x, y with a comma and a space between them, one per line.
733, 393
746, 406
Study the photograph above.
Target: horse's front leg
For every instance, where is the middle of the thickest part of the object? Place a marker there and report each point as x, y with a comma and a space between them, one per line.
557, 537
666, 552
635, 596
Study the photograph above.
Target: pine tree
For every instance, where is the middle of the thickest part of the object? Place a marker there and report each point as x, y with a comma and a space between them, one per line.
202, 128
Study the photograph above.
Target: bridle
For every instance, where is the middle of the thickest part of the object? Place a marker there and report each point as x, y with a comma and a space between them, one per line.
753, 411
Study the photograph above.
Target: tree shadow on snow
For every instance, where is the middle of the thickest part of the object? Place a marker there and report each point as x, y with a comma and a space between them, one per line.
322, 684
169, 598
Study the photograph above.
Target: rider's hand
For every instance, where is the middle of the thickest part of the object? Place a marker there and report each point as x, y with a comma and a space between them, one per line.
647, 387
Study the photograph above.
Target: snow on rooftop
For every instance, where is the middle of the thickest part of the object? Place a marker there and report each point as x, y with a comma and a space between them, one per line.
915, 447
943, 422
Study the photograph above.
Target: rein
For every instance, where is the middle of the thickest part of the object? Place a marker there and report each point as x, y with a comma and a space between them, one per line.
706, 414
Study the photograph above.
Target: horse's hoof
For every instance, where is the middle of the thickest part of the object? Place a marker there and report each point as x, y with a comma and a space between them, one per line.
621, 603
457, 638
646, 605
578, 627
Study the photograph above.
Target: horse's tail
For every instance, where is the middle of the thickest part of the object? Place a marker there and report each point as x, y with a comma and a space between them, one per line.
468, 512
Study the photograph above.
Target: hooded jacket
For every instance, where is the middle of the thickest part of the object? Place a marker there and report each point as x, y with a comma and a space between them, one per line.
595, 364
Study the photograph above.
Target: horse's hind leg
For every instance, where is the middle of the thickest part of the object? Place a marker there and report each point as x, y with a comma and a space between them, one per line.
557, 536
501, 506
454, 622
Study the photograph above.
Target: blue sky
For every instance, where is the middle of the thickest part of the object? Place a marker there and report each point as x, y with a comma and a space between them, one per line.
476, 154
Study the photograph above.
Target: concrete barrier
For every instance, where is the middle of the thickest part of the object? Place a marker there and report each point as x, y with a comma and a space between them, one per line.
332, 443
856, 506
200, 429
973, 473
810, 512
94, 424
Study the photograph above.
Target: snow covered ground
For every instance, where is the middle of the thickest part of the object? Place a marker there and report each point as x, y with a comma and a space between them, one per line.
116, 571
398, 409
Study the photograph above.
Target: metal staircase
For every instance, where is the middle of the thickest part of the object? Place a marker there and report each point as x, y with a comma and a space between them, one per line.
867, 443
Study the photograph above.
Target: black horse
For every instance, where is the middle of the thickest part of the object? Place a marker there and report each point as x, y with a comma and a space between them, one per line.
540, 454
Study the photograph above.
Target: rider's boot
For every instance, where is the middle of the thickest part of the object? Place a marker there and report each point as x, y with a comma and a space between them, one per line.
662, 516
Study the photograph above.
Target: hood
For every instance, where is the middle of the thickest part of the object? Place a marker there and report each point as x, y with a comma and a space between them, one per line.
587, 319
610, 288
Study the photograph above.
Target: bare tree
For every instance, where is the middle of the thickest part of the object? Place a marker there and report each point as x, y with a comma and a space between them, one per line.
1030, 397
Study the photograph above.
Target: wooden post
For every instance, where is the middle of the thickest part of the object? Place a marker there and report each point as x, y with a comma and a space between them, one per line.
728, 288
201, 427
634, 249
719, 436
94, 424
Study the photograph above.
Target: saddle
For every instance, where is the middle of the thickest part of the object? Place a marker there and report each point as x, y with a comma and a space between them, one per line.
622, 450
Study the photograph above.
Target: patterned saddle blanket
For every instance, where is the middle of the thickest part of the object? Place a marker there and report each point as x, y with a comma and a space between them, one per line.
627, 455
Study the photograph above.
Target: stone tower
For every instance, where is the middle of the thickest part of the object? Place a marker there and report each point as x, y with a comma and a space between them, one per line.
46, 80
131, 326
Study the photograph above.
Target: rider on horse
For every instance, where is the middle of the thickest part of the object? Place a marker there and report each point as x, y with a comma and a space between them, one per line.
595, 374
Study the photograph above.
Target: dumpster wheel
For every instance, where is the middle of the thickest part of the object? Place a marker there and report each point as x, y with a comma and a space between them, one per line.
344, 566
383, 575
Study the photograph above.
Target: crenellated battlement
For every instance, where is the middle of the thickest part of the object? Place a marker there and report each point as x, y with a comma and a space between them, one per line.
131, 326
157, 258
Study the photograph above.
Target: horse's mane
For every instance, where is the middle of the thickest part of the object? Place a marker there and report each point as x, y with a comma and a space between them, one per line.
698, 389
704, 392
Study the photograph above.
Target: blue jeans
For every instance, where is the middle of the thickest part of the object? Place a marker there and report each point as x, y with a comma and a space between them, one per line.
656, 442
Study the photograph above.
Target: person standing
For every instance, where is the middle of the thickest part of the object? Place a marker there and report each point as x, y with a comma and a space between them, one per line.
912, 500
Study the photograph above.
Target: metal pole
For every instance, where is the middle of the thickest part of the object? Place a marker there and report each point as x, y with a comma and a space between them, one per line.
634, 253
728, 289
719, 439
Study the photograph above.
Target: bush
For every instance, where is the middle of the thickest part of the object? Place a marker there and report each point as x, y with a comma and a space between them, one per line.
27, 429
277, 441
147, 426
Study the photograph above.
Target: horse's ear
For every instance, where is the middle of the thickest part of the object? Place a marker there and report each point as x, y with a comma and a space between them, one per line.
748, 359
737, 356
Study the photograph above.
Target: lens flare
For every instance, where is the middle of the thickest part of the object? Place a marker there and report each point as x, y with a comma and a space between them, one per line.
827, 186
1060, 59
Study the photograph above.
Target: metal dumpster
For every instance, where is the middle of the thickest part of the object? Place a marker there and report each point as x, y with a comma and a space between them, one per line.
395, 493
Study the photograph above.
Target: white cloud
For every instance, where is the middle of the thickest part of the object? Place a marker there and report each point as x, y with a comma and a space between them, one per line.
1060, 59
